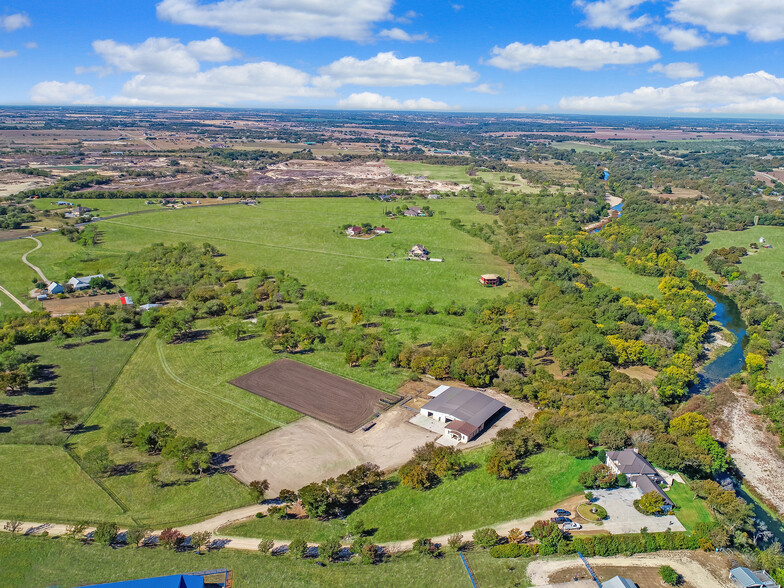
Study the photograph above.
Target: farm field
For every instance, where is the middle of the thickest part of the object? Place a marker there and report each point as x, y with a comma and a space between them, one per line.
43, 482
470, 501
315, 251
35, 562
81, 375
617, 276
766, 262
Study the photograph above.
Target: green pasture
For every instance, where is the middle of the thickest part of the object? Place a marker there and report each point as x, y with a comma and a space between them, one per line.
36, 562
81, 373
43, 483
766, 262
438, 173
618, 276
303, 237
99, 206
15, 276
473, 500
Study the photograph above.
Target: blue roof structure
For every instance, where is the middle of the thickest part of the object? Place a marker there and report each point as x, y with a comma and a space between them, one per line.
175, 581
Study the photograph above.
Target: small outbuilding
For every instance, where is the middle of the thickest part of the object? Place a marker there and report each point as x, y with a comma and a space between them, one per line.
55, 288
381, 230
465, 412
619, 582
745, 578
490, 280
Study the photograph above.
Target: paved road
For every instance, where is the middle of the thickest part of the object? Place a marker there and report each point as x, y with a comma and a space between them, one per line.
35, 268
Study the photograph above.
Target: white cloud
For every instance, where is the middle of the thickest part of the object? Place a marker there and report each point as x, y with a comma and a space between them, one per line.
386, 69
678, 71
7, 54
587, 55
398, 34
486, 89
372, 101
759, 90
263, 82
685, 39
53, 92
100, 70
613, 14
296, 20
162, 55
759, 20
14, 22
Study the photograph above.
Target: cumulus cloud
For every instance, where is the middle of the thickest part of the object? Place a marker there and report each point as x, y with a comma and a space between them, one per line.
759, 92
372, 101
678, 71
486, 89
14, 22
759, 20
685, 39
613, 14
296, 20
262, 82
53, 92
398, 34
162, 55
587, 55
386, 69
7, 54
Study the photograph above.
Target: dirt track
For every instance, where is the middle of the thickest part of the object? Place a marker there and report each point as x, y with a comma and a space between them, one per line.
754, 449
321, 395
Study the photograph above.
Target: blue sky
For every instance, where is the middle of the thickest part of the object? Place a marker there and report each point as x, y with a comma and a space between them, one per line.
683, 57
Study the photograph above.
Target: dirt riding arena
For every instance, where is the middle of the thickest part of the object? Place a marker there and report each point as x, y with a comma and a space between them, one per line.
340, 402
78, 304
310, 451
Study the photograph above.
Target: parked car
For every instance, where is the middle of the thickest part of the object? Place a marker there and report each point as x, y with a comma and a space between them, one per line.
560, 520
572, 526
562, 513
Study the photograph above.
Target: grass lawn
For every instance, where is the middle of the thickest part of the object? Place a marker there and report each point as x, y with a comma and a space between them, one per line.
315, 251
82, 375
765, 262
43, 483
473, 500
99, 206
443, 173
16, 276
690, 510
33, 562
617, 276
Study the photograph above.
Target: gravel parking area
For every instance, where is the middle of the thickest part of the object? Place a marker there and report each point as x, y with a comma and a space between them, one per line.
622, 517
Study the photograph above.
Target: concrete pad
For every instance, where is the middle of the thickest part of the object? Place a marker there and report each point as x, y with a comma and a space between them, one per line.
622, 517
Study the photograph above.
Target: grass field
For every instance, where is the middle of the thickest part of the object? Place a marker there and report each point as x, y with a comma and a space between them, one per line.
82, 373
16, 276
34, 562
690, 510
349, 270
765, 262
617, 276
470, 501
99, 206
43, 483
443, 173
580, 147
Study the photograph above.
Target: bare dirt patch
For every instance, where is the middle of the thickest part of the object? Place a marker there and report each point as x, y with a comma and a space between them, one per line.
78, 305
310, 451
340, 402
698, 569
640, 372
753, 448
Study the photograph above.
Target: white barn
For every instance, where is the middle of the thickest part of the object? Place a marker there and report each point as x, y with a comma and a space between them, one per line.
465, 412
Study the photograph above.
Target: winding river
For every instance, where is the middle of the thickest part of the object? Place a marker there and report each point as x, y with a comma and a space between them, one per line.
731, 361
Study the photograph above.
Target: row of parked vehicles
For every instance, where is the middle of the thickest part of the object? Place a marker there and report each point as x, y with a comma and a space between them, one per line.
562, 518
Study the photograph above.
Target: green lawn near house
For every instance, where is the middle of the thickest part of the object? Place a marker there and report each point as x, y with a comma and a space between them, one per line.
690, 510
618, 276
43, 483
35, 562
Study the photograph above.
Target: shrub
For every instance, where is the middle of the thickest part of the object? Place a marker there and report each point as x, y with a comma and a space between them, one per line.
330, 549
298, 548
136, 535
513, 550
455, 541
486, 537
171, 538
106, 533
76, 530
669, 576
260, 515
258, 489
515, 535
424, 546
265, 546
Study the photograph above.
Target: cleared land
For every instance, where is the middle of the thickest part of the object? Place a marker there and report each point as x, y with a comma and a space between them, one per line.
617, 276
326, 397
79, 304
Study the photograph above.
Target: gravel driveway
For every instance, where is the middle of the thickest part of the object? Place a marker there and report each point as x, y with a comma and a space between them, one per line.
622, 517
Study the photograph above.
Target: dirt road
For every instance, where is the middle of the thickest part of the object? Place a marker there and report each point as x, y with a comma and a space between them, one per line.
754, 449
35, 268
18, 302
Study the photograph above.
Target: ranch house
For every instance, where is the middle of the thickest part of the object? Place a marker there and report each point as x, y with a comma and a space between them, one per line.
465, 412
82, 283
412, 211
639, 471
419, 252
381, 230
351, 231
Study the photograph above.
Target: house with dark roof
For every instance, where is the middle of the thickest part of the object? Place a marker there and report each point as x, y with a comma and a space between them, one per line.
639, 471
412, 211
419, 252
351, 231
466, 413
745, 578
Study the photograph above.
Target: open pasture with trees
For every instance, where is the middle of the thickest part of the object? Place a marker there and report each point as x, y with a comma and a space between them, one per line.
617, 276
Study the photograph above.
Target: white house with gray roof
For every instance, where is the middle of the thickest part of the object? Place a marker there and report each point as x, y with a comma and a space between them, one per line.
639, 471
465, 412
745, 578
82, 283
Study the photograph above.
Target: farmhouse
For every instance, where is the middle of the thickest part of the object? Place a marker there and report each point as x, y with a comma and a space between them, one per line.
419, 252
434, 197
639, 471
412, 211
381, 230
351, 231
465, 412
745, 578
492, 280
82, 283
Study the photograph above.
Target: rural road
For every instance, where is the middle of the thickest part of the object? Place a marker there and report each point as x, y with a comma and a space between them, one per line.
35, 268
19, 303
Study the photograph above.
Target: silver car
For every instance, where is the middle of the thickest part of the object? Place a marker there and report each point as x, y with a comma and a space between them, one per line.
572, 526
